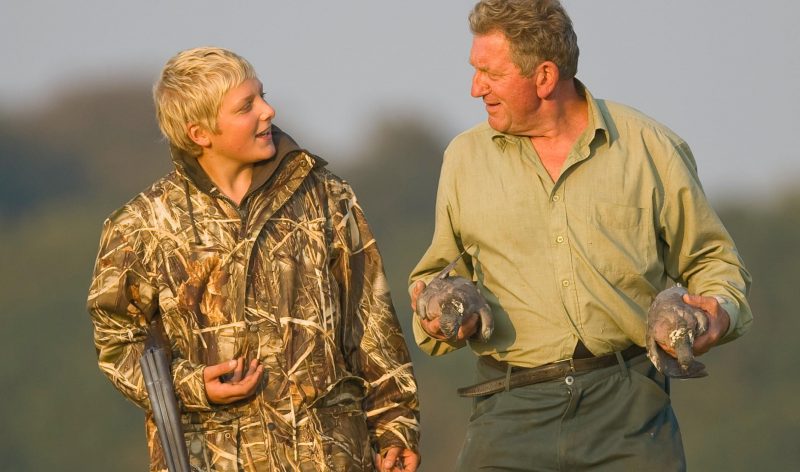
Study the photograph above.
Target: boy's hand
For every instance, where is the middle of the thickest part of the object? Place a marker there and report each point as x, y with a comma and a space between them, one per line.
397, 459
239, 386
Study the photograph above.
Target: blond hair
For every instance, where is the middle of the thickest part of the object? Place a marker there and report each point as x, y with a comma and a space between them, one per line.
190, 90
537, 31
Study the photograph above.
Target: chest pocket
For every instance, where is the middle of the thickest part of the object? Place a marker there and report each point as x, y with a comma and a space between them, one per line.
622, 238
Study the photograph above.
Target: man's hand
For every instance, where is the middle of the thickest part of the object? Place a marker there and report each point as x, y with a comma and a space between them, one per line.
718, 322
240, 386
469, 323
397, 459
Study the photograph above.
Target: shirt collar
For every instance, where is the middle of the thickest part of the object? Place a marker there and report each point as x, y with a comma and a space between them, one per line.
596, 123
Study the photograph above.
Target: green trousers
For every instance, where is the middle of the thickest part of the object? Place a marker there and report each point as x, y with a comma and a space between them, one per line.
617, 418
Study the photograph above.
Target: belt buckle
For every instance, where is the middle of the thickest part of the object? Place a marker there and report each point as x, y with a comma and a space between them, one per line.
572, 365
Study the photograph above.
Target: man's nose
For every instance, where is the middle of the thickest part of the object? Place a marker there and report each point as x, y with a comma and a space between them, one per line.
479, 87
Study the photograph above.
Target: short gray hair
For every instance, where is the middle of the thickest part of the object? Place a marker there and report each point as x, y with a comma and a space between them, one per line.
537, 31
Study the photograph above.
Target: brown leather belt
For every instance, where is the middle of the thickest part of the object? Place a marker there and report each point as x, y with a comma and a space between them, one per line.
521, 376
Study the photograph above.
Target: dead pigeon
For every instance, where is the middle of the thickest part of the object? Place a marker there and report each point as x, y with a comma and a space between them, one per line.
452, 297
673, 322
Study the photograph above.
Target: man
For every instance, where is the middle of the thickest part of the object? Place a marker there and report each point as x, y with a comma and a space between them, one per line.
574, 212
286, 351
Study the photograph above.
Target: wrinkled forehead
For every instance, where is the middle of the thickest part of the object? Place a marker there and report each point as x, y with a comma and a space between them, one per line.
489, 51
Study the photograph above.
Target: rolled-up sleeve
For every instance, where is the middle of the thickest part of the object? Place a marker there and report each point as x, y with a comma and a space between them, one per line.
701, 254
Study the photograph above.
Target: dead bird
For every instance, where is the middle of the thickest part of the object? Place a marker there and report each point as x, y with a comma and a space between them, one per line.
675, 323
453, 297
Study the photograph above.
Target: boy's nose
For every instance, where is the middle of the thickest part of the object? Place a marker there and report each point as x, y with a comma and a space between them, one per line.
268, 113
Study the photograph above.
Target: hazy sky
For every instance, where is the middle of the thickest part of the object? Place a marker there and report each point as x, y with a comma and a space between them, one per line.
724, 74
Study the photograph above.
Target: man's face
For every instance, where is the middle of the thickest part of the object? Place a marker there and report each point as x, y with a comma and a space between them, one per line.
244, 126
510, 98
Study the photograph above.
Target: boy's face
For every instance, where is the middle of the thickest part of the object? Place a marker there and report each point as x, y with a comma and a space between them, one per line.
244, 127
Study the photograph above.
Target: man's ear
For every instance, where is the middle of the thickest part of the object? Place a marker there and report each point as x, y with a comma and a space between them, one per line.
547, 77
198, 134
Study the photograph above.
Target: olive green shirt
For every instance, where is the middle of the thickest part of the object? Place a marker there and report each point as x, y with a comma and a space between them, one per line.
583, 257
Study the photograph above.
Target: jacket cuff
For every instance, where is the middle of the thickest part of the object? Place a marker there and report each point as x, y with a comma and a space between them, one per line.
189, 386
403, 433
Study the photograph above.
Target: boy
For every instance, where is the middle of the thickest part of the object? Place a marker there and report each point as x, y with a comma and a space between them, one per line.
286, 351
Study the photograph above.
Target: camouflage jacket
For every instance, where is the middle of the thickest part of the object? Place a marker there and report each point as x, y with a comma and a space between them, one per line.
291, 276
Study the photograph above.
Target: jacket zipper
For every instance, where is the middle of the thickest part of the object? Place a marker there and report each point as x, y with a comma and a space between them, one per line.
243, 224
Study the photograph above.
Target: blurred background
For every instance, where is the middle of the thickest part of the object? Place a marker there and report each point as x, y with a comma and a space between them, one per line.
378, 89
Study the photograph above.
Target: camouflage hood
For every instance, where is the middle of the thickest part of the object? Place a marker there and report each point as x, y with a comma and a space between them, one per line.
292, 277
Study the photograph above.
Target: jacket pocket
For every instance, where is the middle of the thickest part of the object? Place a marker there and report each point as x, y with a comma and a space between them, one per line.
340, 438
213, 448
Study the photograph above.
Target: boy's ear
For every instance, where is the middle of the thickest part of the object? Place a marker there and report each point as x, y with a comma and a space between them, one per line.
198, 134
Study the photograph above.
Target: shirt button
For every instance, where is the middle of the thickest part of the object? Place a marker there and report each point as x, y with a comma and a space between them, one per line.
565, 283
556, 198
560, 239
